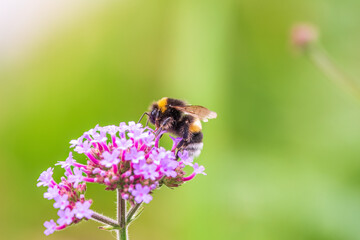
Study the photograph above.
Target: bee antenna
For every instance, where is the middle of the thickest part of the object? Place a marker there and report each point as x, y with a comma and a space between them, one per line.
145, 113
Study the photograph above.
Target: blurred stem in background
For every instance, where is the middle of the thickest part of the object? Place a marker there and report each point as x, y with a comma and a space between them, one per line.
304, 38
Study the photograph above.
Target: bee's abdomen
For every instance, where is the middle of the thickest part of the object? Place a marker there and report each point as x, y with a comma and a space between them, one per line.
195, 145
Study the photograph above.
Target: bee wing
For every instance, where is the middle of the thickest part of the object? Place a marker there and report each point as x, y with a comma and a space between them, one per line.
197, 111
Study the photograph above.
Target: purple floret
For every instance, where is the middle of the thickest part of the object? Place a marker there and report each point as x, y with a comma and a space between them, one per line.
112, 129
75, 178
83, 210
199, 169
185, 159
68, 162
83, 148
168, 167
66, 216
132, 126
110, 158
45, 177
146, 170
76, 142
141, 193
50, 227
161, 154
134, 155
123, 143
61, 202
52, 193
137, 134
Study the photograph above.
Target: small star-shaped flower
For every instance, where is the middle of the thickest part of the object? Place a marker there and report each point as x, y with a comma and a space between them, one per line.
66, 216
134, 155
50, 227
110, 158
45, 177
83, 210
141, 193
68, 162
52, 193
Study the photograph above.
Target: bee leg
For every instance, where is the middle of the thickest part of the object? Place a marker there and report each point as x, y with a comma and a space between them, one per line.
183, 143
166, 121
180, 144
158, 131
179, 148
177, 155
145, 113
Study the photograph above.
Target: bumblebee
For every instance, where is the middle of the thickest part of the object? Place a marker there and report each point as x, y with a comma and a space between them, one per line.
182, 120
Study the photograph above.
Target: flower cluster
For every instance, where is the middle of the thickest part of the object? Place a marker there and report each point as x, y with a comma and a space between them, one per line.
125, 157
69, 198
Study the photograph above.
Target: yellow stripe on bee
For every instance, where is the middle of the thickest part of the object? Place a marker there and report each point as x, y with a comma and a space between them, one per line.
195, 126
162, 104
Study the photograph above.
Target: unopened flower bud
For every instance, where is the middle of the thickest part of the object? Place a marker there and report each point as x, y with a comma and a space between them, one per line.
303, 34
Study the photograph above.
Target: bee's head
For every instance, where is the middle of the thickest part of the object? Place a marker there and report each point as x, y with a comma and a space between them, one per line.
157, 111
154, 115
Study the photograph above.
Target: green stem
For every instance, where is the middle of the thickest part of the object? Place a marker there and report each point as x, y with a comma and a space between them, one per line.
121, 211
132, 212
123, 233
104, 219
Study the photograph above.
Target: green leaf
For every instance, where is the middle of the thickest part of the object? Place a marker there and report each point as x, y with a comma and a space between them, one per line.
109, 228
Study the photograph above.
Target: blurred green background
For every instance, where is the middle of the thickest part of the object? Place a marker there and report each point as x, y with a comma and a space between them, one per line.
282, 157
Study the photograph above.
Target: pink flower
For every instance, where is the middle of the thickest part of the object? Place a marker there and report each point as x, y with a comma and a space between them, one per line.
53, 192
50, 227
69, 162
110, 158
61, 202
303, 34
45, 177
83, 210
141, 193
66, 217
